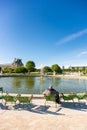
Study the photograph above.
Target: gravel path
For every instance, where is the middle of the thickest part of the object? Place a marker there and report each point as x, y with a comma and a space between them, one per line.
67, 116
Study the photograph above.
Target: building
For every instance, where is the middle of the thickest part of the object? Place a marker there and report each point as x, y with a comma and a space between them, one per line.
16, 63
77, 67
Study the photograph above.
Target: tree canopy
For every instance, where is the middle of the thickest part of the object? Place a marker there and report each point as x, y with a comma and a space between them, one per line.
20, 69
56, 68
46, 69
30, 65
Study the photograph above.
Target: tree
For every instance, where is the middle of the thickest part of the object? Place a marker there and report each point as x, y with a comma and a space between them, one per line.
56, 68
30, 65
20, 69
7, 70
47, 69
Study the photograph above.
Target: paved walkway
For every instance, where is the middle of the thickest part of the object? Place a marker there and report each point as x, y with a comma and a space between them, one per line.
37, 116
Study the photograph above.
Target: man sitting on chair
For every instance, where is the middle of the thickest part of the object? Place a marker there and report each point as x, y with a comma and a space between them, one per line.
51, 91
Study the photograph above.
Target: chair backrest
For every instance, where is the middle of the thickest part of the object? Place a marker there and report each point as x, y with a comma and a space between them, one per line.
23, 99
1, 92
50, 97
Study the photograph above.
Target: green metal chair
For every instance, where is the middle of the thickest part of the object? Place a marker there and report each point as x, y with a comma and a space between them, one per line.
70, 96
80, 97
85, 96
8, 98
1, 93
24, 100
51, 97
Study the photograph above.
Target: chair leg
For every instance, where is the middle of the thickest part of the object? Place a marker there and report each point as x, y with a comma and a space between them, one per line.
55, 104
45, 103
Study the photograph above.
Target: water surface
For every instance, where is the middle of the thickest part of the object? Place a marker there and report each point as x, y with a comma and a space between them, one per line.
37, 85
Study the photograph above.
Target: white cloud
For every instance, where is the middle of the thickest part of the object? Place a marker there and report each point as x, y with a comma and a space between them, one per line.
72, 37
82, 53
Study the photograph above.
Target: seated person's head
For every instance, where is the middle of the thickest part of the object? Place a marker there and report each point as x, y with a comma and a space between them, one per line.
50, 87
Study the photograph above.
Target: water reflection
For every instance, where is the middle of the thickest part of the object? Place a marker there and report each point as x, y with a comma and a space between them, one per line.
37, 85
56, 81
45, 82
16, 82
41, 82
30, 82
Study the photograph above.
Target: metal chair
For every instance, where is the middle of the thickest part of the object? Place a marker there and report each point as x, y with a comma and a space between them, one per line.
1, 93
51, 97
9, 98
24, 100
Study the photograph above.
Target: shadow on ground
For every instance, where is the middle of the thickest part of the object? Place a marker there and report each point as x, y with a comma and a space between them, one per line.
81, 106
42, 109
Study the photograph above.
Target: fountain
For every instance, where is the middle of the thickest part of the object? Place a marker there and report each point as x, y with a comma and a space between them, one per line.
41, 73
54, 73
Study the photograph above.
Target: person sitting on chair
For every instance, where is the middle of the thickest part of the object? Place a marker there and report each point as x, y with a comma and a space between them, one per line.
51, 91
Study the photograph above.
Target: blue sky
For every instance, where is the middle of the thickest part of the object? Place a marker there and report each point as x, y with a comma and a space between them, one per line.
45, 31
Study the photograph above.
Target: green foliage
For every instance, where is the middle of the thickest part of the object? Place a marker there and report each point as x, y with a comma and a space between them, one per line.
7, 70
20, 69
47, 69
67, 70
83, 69
38, 70
30, 65
56, 68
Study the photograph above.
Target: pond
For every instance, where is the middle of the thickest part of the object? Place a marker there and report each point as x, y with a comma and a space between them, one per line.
36, 85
